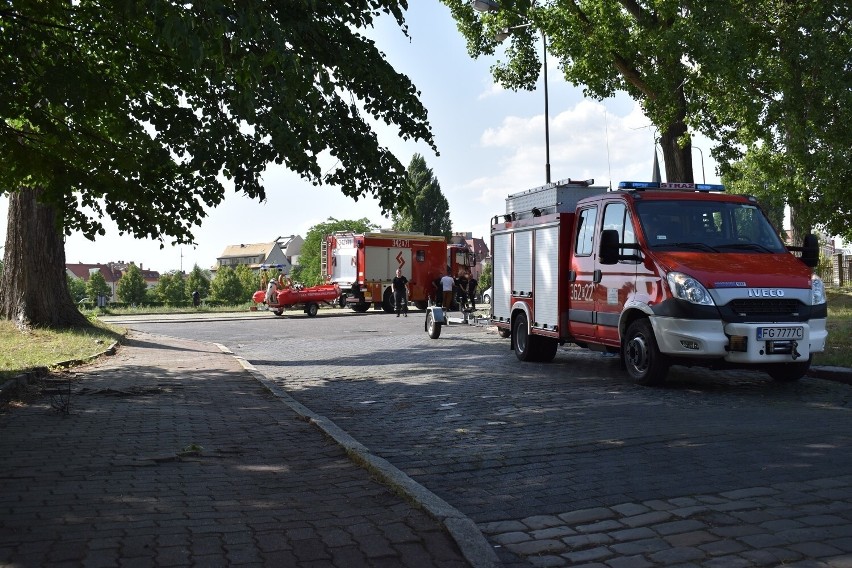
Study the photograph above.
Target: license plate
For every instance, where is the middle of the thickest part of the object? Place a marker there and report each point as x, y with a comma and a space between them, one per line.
780, 333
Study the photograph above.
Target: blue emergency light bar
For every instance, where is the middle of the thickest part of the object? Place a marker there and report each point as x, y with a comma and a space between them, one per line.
670, 185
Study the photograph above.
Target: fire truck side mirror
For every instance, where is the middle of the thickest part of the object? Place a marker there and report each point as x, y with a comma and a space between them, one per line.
609, 247
810, 250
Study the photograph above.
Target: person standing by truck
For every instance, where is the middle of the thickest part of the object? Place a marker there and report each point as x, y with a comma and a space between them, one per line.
447, 287
400, 293
462, 283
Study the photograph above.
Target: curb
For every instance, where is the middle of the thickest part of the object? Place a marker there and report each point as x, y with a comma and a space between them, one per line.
837, 374
8, 388
470, 540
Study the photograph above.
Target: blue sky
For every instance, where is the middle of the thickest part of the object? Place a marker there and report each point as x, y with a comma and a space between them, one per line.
491, 143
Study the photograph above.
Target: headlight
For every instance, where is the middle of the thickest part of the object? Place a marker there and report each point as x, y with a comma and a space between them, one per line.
817, 291
687, 288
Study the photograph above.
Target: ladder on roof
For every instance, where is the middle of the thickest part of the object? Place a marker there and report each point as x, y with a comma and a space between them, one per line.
324, 257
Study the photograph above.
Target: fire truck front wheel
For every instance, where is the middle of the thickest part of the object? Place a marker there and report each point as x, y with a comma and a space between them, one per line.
789, 372
525, 344
642, 358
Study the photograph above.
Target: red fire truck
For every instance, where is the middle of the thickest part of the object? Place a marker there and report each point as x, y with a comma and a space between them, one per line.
364, 264
659, 273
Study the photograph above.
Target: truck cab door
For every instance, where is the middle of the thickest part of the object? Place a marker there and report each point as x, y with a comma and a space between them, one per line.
617, 281
583, 276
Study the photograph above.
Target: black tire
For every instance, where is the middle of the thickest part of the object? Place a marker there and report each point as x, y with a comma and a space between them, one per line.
789, 372
341, 301
421, 304
504, 333
361, 308
642, 358
388, 302
546, 347
525, 343
277, 312
433, 328
312, 309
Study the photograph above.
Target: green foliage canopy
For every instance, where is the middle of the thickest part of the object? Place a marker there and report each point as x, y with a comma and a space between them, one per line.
137, 109
226, 287
76, 287
198, 279
171, 289
97, 286
132, 288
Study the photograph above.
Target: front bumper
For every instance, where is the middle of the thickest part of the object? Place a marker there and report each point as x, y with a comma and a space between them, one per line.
735, 342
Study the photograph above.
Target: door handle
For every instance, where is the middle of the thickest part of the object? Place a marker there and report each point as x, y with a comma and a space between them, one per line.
598, 276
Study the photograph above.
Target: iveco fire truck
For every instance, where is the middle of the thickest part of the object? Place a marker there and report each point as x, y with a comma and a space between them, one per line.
660, 273
364, 264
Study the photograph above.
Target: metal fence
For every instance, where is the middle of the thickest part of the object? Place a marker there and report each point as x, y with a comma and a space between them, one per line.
839, 273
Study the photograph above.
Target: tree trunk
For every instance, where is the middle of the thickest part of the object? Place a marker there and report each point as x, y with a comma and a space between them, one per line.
34, 291
678, 160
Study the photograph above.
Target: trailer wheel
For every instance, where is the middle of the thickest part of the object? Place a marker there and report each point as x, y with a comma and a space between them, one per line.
277, 312
433, 328
421, 304
504, 333
361, 308
789, 372
525, 344
642, 358
312, 309
341, 301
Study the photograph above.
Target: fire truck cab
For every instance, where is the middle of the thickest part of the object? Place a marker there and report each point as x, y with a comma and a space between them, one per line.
658, 273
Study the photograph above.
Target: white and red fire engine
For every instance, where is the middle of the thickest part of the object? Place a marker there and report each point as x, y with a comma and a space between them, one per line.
660, 274
364, 265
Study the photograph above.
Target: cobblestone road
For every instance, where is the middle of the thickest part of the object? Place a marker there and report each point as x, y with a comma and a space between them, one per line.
568, 463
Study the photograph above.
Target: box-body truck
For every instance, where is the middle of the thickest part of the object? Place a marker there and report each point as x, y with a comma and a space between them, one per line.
657, 273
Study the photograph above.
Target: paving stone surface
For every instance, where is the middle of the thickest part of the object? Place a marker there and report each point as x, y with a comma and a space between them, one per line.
568, 463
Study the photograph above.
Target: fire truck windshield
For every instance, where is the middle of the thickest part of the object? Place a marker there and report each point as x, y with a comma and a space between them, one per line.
707, 225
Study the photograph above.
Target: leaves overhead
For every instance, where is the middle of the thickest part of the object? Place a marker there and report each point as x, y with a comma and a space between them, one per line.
137, 109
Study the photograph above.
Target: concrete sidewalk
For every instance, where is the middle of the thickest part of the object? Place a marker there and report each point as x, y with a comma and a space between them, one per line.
173, 453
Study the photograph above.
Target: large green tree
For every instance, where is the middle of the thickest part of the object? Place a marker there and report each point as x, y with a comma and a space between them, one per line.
308, 271
97, 286
636, 46
787, 104
226, 287
132, 288
147, 111
198, 279
430, 211
749, 75
171, 289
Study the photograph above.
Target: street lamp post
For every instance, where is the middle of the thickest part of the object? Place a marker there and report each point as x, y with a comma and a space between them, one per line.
701, 153
492, 6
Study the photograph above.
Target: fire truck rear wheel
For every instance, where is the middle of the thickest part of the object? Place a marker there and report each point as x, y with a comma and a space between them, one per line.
642, 358
432, 327
388, 302
312, 310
